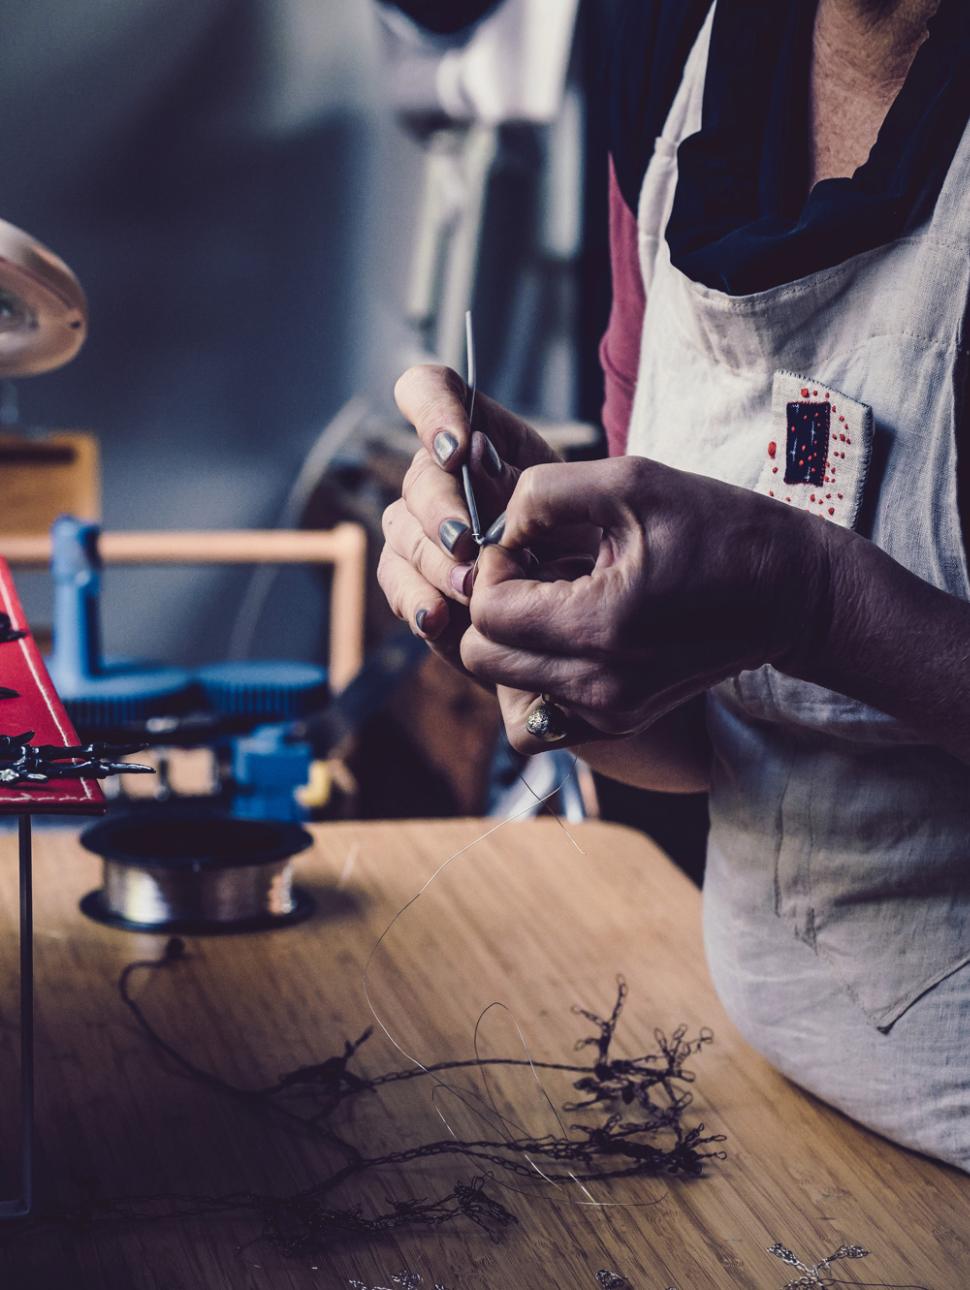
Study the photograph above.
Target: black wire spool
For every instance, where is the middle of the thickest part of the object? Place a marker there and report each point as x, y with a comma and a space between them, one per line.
195, 872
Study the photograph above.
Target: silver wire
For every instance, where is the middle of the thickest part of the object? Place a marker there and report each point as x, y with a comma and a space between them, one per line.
484, 1106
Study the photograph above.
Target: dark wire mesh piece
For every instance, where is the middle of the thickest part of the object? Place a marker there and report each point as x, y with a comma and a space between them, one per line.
311, 1221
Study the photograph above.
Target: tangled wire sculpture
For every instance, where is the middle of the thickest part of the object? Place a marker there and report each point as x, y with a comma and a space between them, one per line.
643, 1097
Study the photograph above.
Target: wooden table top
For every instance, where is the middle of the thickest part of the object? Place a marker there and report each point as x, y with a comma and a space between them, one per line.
522, 918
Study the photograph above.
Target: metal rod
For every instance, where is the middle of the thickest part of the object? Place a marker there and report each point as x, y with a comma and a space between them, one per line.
18, 1208
471, 382
26, 1015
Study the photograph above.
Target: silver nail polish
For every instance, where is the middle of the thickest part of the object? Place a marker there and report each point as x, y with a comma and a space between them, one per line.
451, 532
496, 532
445, 445
491, 461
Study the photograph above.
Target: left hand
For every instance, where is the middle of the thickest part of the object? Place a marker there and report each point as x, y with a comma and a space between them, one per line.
695, 581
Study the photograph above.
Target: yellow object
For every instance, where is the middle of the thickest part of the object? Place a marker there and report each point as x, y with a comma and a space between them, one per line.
319, 785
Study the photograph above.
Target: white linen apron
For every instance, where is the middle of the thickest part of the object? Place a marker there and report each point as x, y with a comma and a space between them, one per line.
837, 892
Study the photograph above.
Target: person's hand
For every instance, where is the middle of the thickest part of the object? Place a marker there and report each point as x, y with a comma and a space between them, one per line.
694, 581
426, 564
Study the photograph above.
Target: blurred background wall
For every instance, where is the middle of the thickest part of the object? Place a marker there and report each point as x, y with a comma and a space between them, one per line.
239, 202
218, 173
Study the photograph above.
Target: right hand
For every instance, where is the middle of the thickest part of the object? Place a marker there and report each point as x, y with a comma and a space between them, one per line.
426, 564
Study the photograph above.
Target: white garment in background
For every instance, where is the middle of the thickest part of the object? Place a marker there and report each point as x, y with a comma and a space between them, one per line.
511, 68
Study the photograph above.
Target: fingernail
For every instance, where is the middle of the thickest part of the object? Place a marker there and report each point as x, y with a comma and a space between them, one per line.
491, 461
445, 445
496, 531
429, 630
461, 578
451, 532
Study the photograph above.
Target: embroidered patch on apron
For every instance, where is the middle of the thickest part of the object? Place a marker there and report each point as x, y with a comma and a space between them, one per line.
817, 455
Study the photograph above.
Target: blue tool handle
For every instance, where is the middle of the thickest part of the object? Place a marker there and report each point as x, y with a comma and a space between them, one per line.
76, 570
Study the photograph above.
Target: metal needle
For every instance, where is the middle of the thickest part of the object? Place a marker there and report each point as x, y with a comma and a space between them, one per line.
471, 383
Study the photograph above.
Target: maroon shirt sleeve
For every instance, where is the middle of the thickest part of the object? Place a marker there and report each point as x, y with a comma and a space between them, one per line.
620, 346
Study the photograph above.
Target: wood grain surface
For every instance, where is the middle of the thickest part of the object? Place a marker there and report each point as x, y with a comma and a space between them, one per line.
523, 918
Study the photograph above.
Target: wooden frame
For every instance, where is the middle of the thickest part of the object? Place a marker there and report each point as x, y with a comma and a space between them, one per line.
57, 473
344, 547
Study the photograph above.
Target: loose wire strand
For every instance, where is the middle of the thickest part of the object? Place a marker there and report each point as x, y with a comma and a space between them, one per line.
440, 1086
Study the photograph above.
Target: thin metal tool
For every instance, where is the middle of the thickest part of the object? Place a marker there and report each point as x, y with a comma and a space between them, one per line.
22, 1205
471, 382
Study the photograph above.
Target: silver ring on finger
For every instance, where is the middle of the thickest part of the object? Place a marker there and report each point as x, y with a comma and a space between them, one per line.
546, 721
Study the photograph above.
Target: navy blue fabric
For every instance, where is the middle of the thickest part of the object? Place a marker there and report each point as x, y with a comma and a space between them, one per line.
651, 42
741, 220
808, 442
445, 17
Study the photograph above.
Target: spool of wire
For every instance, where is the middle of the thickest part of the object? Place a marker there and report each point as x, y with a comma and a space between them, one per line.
195, 872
